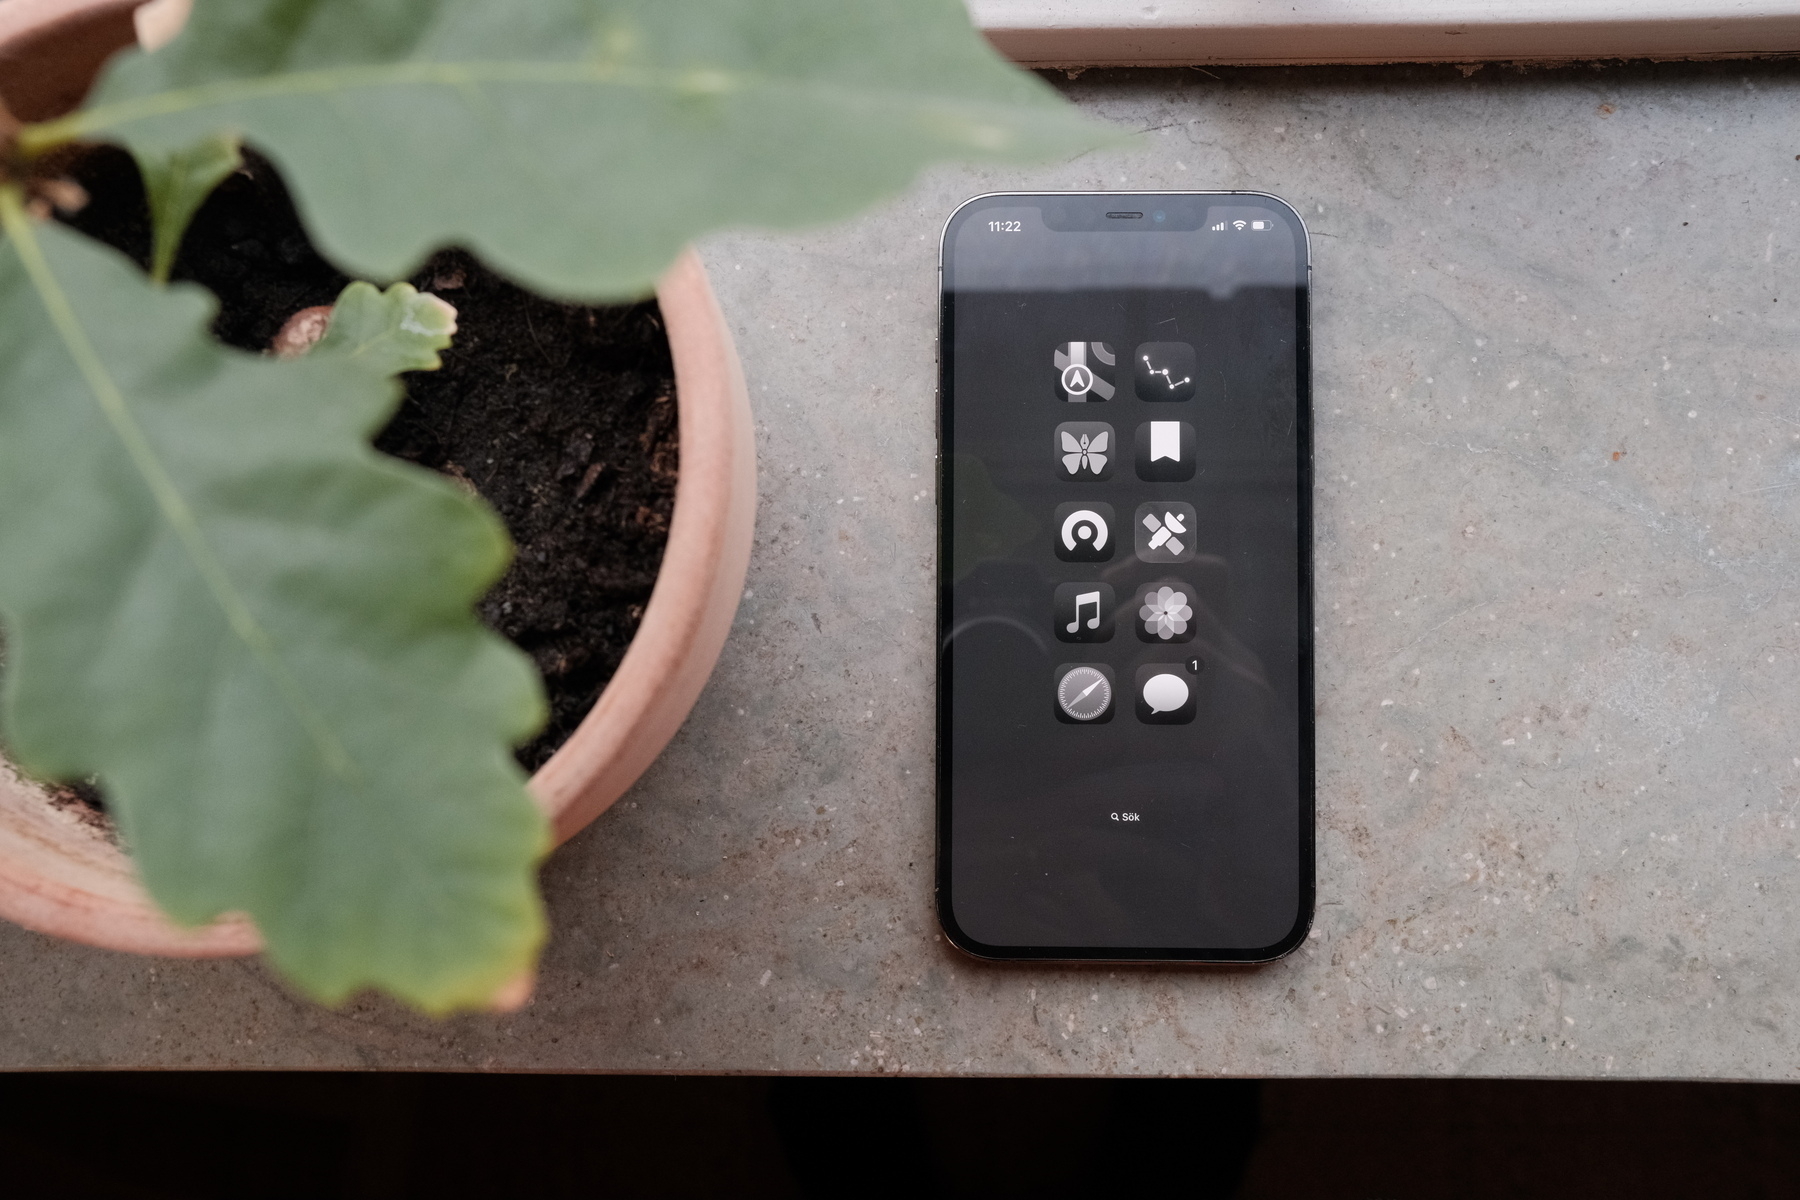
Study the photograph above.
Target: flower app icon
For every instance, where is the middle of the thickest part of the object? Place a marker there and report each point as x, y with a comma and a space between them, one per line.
1165, 614
1084, 450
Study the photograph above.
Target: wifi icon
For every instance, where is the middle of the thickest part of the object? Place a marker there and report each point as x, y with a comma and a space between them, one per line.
1239, 224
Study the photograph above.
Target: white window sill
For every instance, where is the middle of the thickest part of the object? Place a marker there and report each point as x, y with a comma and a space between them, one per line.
1188, 32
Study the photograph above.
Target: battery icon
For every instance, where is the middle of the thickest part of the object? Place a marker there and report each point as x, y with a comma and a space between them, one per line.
1260, 224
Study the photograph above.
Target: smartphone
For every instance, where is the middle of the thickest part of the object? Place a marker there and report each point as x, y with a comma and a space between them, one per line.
1125, 691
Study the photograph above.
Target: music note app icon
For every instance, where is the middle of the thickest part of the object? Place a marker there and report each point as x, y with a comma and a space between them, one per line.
1083, 612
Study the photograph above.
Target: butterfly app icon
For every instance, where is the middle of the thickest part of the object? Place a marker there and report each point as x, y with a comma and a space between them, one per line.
1084, 450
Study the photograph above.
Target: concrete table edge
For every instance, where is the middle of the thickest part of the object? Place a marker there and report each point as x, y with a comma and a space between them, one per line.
1096, 33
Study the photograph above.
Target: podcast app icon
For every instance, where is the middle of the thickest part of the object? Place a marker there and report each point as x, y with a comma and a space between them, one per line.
1165, 451
1084, 532
1163, 371
1083, 612
1084, 371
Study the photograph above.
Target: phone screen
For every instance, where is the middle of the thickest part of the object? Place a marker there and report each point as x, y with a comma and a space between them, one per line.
1125, 736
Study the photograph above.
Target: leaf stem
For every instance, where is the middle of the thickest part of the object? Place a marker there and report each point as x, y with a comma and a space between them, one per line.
174, 506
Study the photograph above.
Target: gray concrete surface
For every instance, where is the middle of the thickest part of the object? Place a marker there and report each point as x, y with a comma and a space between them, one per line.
1559, 473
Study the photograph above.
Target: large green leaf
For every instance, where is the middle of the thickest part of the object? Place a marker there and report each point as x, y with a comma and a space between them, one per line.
258, 633
576, 144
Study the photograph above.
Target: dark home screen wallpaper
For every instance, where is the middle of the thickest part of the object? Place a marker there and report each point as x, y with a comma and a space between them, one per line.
1125, 687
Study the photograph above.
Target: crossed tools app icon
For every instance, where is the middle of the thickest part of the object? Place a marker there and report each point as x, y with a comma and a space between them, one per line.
1164, 531
1084, 532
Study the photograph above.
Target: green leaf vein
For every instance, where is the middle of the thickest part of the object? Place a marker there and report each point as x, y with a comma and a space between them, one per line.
690, 81
169, 500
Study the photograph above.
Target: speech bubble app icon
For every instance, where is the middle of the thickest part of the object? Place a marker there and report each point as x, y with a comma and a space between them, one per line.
1165, 694
1084, 531
1164, 371
1165, 451
1082, 693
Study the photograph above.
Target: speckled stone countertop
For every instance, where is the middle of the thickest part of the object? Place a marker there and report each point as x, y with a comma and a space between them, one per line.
1558, 455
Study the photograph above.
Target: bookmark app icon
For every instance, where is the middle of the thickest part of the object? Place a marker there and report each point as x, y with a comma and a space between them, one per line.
1165, 532
1083, 612
1084, 532
1163, 371
1084, 371
1085, 450
1165, 451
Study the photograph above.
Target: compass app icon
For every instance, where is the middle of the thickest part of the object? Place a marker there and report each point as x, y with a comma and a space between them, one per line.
1163, 371
1084, 693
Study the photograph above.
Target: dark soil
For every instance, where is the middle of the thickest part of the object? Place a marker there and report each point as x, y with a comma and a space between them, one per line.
561, 416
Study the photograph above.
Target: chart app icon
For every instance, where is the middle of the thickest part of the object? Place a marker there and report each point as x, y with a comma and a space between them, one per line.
1085, 451
1083, 693
1084, 532
1083, 612
1164, 531
1084, 371
1163, 371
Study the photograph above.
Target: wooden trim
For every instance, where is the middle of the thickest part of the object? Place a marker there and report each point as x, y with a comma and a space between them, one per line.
1091, 33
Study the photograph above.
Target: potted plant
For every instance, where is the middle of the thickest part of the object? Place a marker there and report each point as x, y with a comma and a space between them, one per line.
254, 631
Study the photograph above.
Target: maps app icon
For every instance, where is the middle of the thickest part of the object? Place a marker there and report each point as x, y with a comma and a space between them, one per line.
1084, 371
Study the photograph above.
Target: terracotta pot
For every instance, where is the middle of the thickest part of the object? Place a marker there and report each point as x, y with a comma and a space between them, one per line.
60, 872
